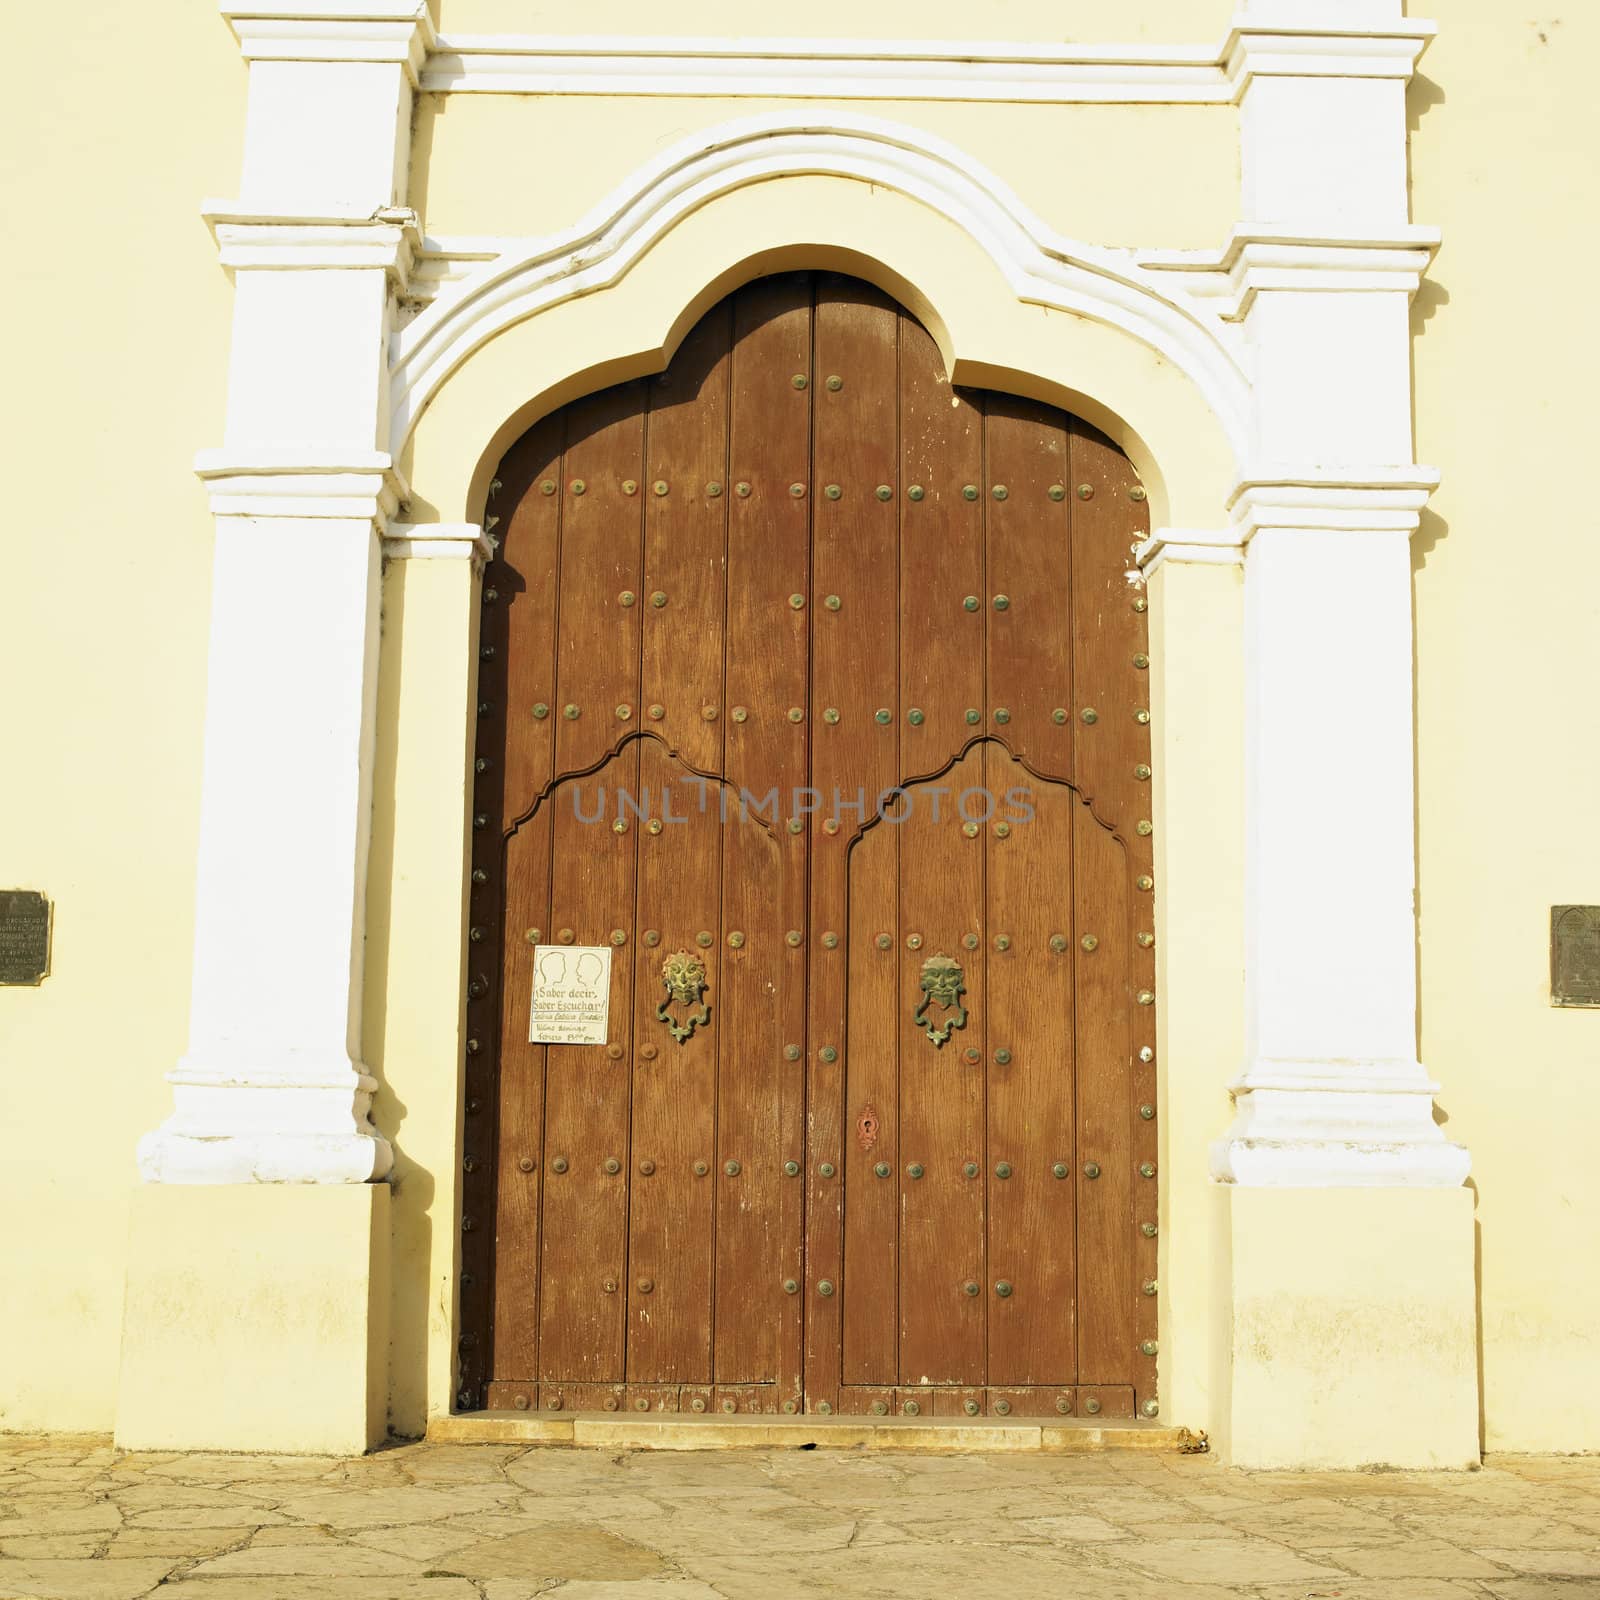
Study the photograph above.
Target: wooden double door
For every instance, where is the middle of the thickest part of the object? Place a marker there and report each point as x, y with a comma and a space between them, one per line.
813, 698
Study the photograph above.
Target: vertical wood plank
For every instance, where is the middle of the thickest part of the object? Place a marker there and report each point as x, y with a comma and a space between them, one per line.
672, 1199
767, 752
1029, 578
587, 1093
523, 579
521, 1106
871, 1163
942, 595
1106, 1281
684, 491
597, 632
751, 1259
855, 637
942, 1177
510, 896
1031, 1070
672, 1250
940, 712
1113, 760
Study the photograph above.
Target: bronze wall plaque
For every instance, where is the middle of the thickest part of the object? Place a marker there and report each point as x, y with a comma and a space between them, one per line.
24, 936
1575, 956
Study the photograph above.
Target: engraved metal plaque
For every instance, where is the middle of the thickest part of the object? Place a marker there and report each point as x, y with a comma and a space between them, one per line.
24, 936
1575, 956
571, 994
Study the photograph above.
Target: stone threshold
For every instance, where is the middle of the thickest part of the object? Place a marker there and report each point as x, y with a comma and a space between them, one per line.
602, 1431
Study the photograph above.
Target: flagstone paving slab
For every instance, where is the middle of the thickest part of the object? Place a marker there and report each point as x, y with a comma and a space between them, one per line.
456, 1521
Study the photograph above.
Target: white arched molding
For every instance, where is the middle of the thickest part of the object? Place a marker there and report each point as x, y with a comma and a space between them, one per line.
524, 278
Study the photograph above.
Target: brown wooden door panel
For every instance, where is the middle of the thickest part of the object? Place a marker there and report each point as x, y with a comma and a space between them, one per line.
802, 662
672, 1202
1029, 581
1106, 1178
584, 1238
748, 1175
597, 631
684, 492
872, 1112
521, 1121
942, 609
942, 1175
522, 587
855, 640
1031, 1068
766, 672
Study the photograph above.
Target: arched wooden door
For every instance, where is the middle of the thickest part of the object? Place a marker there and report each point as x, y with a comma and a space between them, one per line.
813, 792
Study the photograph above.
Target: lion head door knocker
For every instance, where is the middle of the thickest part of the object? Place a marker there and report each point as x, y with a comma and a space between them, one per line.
684, 977
943, 984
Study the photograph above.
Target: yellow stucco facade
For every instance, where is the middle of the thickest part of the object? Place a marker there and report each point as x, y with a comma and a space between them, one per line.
120, 373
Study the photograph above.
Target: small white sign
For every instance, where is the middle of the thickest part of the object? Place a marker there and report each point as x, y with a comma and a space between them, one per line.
571, 994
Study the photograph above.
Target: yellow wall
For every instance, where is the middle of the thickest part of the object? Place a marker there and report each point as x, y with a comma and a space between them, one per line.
1508, 650
1109, 175
1076, 21
257, 1314
1112, 175
117, 360
116, 364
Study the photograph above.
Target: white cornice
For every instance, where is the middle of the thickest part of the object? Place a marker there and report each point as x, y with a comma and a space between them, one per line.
278, 240
301, 481
1282, 256
834, 69
1352, 499
1260, 50
436, 541
1183, 546
396, 31
917, 69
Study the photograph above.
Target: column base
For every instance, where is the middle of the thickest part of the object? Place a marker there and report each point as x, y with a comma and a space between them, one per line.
256, 1318
1312, 1124
236, 1123
1302, 1164
354, 1159
1353, 1328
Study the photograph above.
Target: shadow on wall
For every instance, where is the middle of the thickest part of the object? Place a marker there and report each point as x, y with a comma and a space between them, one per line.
412, 1186
1422, 95
1430, 298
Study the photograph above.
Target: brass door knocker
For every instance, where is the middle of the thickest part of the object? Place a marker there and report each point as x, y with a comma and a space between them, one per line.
943, 983
684, 976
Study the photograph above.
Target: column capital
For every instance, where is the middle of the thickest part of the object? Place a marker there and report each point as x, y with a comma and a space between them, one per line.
1190, 547
437, 541
256, 238
298, 482
375, 31
1357, 499
1266, 256
1266, 43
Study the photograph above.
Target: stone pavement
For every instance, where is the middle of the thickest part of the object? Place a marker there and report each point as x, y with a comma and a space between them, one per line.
503, 1522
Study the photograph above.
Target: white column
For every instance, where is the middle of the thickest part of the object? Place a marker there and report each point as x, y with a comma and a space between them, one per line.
273, 1087
1323, 264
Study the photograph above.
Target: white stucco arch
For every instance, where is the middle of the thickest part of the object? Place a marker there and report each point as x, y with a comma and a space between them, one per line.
1012, 304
